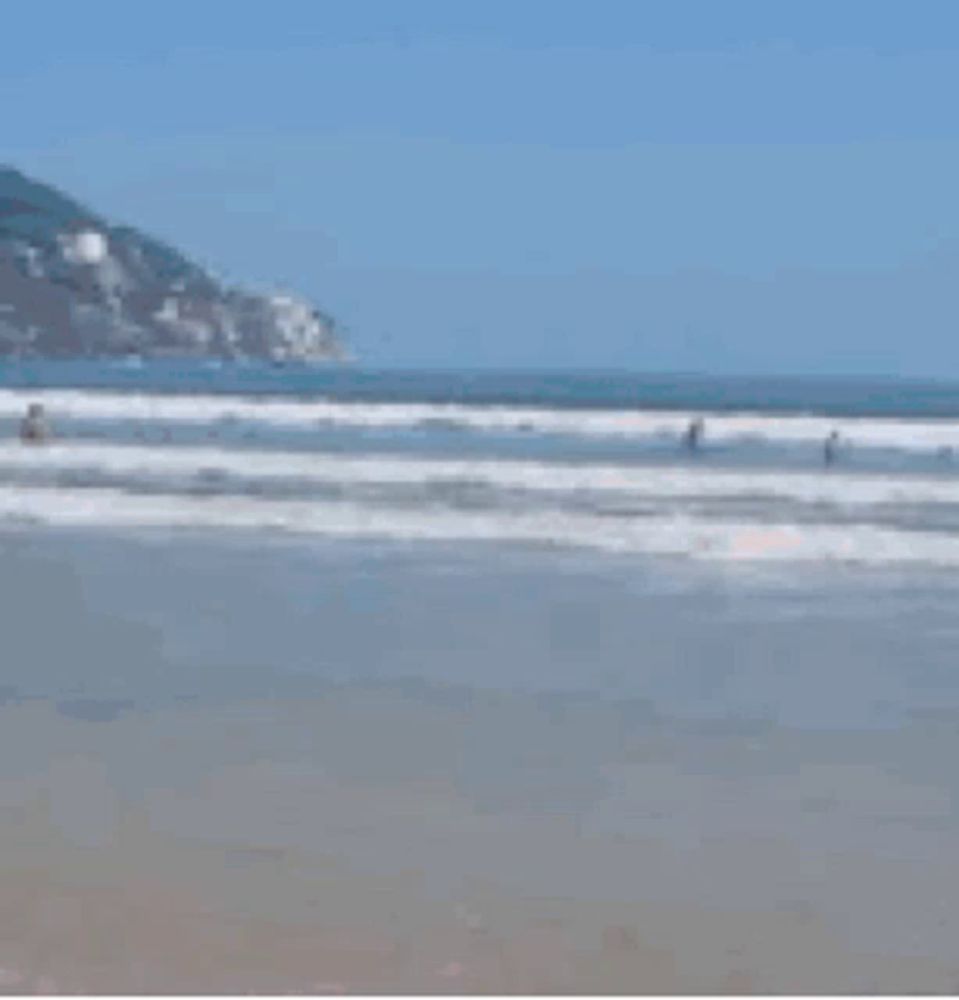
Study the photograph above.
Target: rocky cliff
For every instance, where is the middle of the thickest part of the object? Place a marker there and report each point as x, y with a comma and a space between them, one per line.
73, 284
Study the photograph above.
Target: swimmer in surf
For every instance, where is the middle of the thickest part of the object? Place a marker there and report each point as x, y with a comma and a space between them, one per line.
829, 448
33, 427
694, 434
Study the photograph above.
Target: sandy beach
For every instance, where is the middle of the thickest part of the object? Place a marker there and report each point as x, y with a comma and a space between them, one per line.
214, 778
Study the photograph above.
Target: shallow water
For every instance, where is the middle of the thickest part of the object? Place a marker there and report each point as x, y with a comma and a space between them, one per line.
558, 471
325, 695
553, 744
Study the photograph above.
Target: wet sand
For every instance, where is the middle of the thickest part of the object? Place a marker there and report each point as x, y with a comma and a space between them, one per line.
244, 768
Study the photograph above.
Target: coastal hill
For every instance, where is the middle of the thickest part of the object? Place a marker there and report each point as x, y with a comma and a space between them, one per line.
74, 285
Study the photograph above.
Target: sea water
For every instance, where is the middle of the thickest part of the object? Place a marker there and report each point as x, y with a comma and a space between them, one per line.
589, 461
498, 634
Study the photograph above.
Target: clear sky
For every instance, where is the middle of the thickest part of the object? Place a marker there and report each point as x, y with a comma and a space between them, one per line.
716, 185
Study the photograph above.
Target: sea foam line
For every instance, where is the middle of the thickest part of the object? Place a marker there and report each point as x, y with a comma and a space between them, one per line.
660, 536
200, 463
922, 435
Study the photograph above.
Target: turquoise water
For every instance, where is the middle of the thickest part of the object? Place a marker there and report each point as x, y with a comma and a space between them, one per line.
838, 396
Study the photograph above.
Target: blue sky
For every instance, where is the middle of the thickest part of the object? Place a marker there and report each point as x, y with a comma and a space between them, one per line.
713, 185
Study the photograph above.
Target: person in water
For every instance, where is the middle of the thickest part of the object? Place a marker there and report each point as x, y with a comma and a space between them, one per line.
829, 448
694, 433
33, 427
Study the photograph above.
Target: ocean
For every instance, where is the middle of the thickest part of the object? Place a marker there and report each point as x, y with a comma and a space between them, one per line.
333, 680
589, 461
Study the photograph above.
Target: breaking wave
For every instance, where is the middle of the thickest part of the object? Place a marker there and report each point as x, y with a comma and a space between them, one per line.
425, 488
660, 536
871, 432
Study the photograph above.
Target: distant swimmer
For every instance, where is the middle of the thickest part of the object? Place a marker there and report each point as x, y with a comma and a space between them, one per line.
33, 427
830, 445
945, 453
694, 433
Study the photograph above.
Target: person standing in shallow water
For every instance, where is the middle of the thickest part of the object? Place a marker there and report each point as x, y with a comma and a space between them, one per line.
694, 434
33, 427
829, 448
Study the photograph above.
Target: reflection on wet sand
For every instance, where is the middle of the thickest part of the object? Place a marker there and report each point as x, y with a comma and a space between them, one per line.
277, 769
273, 846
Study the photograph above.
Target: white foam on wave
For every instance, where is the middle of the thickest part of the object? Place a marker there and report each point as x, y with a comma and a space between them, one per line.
661, 536
922, 435
191, 463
